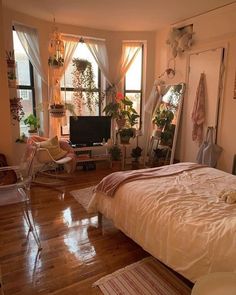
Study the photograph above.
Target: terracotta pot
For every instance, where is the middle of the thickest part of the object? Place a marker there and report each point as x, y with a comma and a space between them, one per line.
120, 123
124, 139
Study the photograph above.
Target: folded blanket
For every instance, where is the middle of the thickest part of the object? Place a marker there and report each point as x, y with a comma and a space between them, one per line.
110, 183
228, 196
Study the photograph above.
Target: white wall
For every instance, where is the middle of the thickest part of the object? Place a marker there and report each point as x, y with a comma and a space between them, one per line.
217, 28
5, 136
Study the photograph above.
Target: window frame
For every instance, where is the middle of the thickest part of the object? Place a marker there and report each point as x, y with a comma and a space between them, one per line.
138, 91
31, 86
98, 90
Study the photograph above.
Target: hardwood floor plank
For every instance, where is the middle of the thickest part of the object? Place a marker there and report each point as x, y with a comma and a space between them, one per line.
76, 252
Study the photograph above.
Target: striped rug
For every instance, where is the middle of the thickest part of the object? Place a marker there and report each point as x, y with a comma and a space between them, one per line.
146, 277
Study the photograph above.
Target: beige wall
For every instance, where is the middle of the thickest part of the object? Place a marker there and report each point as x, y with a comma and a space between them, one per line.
113, 40
5, 136
217, 28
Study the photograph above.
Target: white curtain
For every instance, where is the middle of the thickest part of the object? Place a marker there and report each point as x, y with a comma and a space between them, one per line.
29, 40
129, 52
150, 108
55, 123
99, 51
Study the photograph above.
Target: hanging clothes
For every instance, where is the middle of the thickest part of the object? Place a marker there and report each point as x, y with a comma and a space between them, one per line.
198, 113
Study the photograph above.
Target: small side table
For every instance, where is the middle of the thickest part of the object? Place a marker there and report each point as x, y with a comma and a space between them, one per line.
218, 283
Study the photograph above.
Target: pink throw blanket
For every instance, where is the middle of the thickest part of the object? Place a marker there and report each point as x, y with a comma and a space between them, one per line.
111, 182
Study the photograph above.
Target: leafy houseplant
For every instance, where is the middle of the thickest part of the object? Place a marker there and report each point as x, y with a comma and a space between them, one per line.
33, 123
126, 134
126, 116
16, 108
115, 153
163, 120
136, 153
84, 85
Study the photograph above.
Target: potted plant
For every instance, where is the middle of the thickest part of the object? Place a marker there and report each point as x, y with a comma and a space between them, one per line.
84, 85
136, 154
126, 134
16, 108
115, 153
32, 122
122, 111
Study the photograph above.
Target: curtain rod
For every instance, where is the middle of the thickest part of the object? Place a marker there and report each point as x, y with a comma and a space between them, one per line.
79, 37
199, 14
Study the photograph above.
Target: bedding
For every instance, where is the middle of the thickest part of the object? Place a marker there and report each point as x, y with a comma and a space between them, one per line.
179, 219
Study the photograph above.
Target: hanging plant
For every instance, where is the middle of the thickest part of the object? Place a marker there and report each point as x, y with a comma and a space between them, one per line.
16, 108
84, 85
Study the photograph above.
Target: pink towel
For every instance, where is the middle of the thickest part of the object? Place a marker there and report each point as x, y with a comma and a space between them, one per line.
198, 113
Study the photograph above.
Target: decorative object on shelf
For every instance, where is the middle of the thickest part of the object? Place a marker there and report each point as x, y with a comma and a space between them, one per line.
16, 108
180, 40
83, 78
32, 122
11, 68
55, 67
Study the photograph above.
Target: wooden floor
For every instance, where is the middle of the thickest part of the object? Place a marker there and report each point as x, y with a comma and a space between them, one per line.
75, 251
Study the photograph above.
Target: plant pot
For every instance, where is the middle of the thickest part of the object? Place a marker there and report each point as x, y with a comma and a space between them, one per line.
120, 123
124, 139
57, 110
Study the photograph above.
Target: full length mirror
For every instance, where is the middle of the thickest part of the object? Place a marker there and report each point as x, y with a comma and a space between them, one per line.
165, 126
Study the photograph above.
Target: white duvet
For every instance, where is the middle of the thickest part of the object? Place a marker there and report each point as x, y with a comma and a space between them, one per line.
178, 219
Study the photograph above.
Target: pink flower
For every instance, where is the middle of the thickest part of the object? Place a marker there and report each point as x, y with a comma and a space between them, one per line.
119, 96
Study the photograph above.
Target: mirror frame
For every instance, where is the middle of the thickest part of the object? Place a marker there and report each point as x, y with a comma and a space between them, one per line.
178, 117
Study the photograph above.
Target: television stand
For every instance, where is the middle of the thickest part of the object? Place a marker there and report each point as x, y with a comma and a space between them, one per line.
92, 154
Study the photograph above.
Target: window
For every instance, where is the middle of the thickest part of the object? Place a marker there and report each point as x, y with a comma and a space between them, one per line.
133, 83
67, 85
25, 77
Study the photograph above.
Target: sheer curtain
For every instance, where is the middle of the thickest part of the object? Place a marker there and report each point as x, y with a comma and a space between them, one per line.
55, 123
129, 52
99, 51
29, 40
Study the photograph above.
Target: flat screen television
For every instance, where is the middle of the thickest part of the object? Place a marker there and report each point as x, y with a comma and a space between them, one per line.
89, 130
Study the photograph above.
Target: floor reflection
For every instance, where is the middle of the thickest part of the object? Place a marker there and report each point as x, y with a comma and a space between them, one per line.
77, 240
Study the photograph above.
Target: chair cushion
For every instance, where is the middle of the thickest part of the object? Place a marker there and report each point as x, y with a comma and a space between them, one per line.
53, 147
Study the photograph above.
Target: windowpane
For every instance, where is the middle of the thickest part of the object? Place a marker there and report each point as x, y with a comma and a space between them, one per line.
81, 52
133, 84
24, 72
22, 61
133, 77
69, 96
136, 99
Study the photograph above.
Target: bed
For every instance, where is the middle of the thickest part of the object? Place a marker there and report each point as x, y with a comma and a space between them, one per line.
178, 219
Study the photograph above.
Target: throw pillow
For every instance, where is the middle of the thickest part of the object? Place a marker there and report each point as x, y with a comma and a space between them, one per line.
53, 147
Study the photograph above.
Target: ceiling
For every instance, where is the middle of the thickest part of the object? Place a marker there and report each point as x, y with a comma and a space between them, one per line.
116, 15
